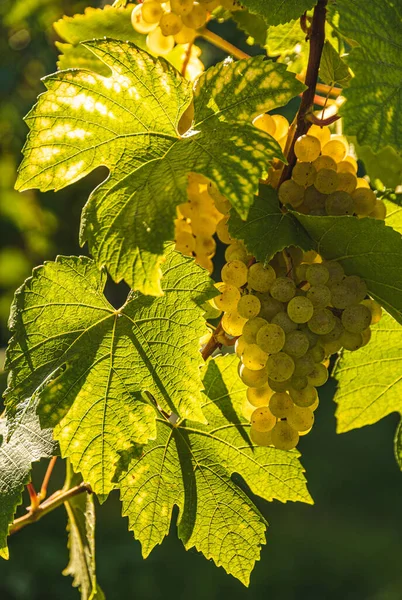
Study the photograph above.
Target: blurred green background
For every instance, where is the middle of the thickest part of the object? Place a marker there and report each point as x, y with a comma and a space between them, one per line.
348, 546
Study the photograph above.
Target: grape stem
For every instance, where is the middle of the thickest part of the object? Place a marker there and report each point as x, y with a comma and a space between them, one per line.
212, 343
221, 43
317, 38
186, 59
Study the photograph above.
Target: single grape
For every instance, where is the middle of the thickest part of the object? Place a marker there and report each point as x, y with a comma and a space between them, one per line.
356, 318
252, 378
375, 309
317, 353
301, 271
296, 344
235, 273
342, 296
233, 323
313, 199
284, 437
319, 295
278, 386
366, 336
335, 333
335, 149
326, 181
322, 321
262, 419
283, 289
318, 376
304, 173
280, 366
170, 24
259, 396
159, 43
205, 245
347, 182
197, 18
185, 243
323, 134
269, 306
181, 7
248, 306
253, 357
251, 329
236, 251
266, 123
324, 162
304, 365
260, 278
202, 224
228, 298
339, 204
261, 438
298, 382
336, 272
300, 309
300, 418
291, 193
138, 22
356, 286
379, 211
364, 200
332, 347
307, 148
281, 126
151, 12
284, 321
317, 274
240, 344
362, 183
271, 338
222, 231
351, 341
186, 35
280, 404
305, 397
348, 165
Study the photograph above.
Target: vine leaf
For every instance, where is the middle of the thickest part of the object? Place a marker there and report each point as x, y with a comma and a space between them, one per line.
267, 230
372, 111
333, 69
29, 443
394, 212
278, 11
190, 465
88, 363
384, 166
253, 25
370, 380
236, 91
365, 247
287, 42
81, 542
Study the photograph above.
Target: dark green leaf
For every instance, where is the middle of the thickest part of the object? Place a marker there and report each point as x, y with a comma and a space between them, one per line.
333, 69
279, 11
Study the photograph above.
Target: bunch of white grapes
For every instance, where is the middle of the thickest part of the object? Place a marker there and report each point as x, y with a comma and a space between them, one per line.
203, 215
174, 22
289, 317
324, 180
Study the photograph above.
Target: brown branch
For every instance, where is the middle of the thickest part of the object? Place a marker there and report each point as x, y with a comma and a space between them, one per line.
212, 343
43, 490
54, 501
186, 59
33, 496
317, 38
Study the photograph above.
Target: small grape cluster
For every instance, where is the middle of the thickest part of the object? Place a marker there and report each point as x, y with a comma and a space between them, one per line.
203, 215
324, 180
177, 21
289, 317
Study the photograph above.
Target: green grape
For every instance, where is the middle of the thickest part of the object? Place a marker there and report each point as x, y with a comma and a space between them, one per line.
339, 203
233, 323
317, 353
197, 18
336, 272
151, 12
236, 251
323, 134
262, 419
318, 376
251, 329
300, 309
280, 366
185, 243
296, 343
281, 126
324, 162
229, 297
284, 437
202, 224
170, 24
300, 418
335, 149
301, 271
342, 296
375, 309
265, 123
269, 306
234, 273
248, 306
181, 7
304, 365
364, 200
307, 148
254, 379
334, 334
298, 382
347, 182
322, 321
332, 347
138, 22
379, 211
317, 274
326, 181
356, 286
283, 289
351, 341
314, 406
186, 35
271, 338
284, 321
357, 318
222, 231
319, 295
305, 397
240, 344
290, 192
261, 278
158, 43
304, 173
349, 165
253, 357
278, 386
247, 409
366, 336
280, 404
261, 438
259, 396
313, 199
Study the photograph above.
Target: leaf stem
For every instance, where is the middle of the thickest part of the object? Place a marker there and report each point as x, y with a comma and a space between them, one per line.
43, 490
54, 501
221, 43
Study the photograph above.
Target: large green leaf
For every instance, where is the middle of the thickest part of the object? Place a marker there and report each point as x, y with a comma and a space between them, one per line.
267, 230
384, 166
254, 25
279, 11
369, 380
288, 43
333, 69
372, 111
190, 466
89, 363
81, 541
128, 123
365, 247
27, 444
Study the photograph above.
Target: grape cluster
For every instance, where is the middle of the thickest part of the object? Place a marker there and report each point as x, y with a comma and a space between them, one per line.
289, 317
203, 215
177, 21
324, 180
